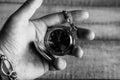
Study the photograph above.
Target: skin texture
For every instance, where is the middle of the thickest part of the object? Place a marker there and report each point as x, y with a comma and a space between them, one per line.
19, 33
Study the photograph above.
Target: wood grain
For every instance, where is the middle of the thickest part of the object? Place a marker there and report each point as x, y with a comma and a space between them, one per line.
101, 59
105, 22
90, 3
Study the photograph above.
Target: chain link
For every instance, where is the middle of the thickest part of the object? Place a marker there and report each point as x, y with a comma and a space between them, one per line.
11, 74
68, 19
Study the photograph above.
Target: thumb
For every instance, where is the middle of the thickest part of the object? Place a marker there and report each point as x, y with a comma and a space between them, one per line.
27, 10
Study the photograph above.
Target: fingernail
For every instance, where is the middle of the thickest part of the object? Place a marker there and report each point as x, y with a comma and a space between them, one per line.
91, 35
85, 15
60, 64
78, 52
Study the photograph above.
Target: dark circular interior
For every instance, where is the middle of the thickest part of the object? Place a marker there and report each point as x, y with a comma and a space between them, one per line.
59, 40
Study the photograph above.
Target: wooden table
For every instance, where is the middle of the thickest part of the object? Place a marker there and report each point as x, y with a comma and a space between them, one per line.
102, 55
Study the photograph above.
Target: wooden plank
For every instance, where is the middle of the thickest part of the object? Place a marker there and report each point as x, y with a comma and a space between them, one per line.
90, 3
100, 61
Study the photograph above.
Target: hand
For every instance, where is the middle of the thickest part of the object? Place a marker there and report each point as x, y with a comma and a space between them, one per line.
19, 32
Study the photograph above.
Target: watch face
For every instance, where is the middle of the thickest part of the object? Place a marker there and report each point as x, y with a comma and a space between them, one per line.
58, 41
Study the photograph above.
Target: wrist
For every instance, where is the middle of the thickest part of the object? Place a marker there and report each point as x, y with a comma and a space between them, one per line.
6, 62
6, 49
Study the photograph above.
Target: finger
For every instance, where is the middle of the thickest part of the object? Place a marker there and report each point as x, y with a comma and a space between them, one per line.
85, 34
77, 52
59, 64
27, 10
58, 18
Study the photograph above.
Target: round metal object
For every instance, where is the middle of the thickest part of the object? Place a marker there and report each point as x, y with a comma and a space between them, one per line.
59, 40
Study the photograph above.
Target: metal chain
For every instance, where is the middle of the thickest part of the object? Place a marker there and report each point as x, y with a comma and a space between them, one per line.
11, 74
68, 19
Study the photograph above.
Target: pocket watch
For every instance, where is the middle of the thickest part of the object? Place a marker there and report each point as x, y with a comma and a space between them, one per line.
59, 39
